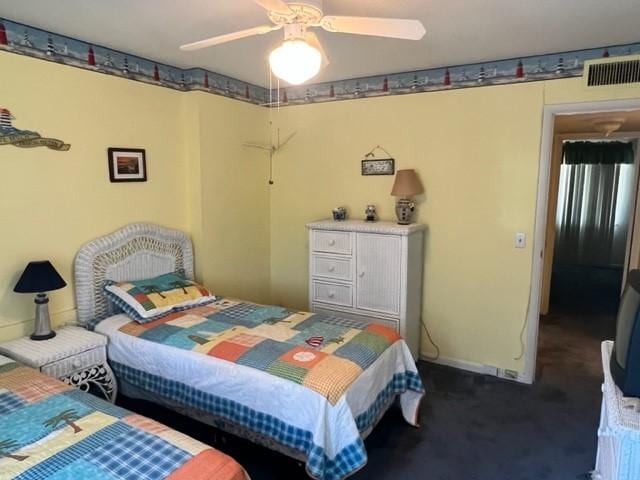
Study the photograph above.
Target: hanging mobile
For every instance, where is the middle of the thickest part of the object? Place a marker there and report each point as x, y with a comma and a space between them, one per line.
271, 148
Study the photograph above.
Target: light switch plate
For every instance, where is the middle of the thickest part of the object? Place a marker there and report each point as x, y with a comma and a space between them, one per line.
520, 240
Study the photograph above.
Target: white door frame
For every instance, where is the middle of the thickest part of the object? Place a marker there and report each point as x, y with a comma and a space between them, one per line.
544, 169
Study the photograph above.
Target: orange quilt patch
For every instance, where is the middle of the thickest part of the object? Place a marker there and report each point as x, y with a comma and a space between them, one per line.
228, 350
209, 464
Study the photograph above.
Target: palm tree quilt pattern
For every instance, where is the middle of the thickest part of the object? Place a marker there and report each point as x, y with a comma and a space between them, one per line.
50, 430
147, 299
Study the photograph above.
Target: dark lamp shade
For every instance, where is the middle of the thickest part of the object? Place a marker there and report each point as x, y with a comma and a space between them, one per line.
39, 277
406, 184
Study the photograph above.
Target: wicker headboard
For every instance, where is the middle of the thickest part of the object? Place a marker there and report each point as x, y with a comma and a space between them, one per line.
135, 252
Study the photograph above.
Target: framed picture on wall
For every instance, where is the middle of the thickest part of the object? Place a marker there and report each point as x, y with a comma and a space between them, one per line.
127, 165
382, 166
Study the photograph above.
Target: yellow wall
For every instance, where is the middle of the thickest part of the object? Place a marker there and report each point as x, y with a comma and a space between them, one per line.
477, 151
231, 222
52, 202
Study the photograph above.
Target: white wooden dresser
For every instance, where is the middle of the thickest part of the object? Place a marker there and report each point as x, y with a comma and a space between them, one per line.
370, 271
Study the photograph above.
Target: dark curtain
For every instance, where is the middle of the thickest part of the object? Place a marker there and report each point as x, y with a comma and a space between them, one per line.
597, 153
594, 202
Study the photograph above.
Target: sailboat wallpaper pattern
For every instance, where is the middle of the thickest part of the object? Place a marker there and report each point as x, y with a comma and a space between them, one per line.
26, 40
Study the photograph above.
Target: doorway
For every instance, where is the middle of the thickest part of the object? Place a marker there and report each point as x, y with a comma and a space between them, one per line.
590, 227
553, 136
588, 236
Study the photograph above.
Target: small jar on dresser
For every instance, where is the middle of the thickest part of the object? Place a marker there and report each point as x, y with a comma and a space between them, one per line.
75, 355
370, 272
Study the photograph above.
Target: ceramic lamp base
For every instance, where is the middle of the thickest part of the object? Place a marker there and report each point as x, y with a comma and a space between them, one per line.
404, 211
42, 323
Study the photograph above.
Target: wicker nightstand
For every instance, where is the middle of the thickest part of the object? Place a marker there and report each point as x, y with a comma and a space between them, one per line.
75, 356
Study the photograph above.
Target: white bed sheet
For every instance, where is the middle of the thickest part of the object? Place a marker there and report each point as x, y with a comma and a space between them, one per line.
333, 426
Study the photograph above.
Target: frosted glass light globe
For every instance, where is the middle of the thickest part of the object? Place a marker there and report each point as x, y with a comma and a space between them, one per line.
295, 61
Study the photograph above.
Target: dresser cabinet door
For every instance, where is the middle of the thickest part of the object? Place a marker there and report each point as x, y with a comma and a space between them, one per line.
378, 273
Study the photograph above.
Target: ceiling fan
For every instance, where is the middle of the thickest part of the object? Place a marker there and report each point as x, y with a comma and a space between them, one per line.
301, 55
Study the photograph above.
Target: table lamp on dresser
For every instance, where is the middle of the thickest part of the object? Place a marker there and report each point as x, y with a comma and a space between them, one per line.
406, 185
40, 277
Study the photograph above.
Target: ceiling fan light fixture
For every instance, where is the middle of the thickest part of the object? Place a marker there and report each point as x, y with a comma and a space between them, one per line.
295, 61
607, 125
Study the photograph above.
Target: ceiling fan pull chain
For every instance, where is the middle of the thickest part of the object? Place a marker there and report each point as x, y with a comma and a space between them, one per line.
271, 168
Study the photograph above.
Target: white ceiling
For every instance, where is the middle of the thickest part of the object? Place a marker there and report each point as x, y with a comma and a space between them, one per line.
583, 123
458, 31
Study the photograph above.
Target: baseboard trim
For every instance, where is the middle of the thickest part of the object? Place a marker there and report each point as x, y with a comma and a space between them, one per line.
463, 365
473, 367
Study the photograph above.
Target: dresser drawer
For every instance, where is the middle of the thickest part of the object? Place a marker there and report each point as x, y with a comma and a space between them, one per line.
332, 242
333, 293
76, 362
339, 268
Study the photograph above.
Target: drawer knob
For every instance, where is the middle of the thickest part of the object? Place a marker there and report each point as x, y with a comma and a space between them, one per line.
361, 274
76, 363
332, 242
332, 294
332, 268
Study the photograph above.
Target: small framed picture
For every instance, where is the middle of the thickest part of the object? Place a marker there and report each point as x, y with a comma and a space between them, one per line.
382, 166
127, 165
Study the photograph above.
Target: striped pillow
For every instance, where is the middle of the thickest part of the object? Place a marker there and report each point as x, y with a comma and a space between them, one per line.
151, 298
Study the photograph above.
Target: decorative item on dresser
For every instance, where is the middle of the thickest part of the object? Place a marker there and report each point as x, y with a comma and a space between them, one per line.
40, 277
618, 456
370, 272
339, 213
76, 356
407, 184
370, 213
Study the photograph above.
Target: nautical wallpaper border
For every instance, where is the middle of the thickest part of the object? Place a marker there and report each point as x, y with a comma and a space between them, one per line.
26, 40
34, 42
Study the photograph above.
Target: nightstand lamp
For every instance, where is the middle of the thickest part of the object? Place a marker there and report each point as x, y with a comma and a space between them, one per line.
40, 277
407, 184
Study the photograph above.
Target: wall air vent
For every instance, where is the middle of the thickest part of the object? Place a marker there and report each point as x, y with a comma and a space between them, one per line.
612, 71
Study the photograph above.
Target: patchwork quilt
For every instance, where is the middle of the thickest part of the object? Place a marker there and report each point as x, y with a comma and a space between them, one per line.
324, 353
311, 385
51, 430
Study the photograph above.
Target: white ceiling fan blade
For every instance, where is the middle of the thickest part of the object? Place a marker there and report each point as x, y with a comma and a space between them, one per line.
228, 37
312, 39
277, 6
378, 27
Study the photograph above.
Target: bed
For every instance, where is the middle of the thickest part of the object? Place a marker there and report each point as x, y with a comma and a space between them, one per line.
49, 429
315, 402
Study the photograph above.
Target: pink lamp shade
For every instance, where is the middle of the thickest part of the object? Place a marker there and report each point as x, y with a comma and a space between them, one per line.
406, 184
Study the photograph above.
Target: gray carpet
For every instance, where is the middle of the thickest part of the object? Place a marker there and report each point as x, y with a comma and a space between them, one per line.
473, 426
